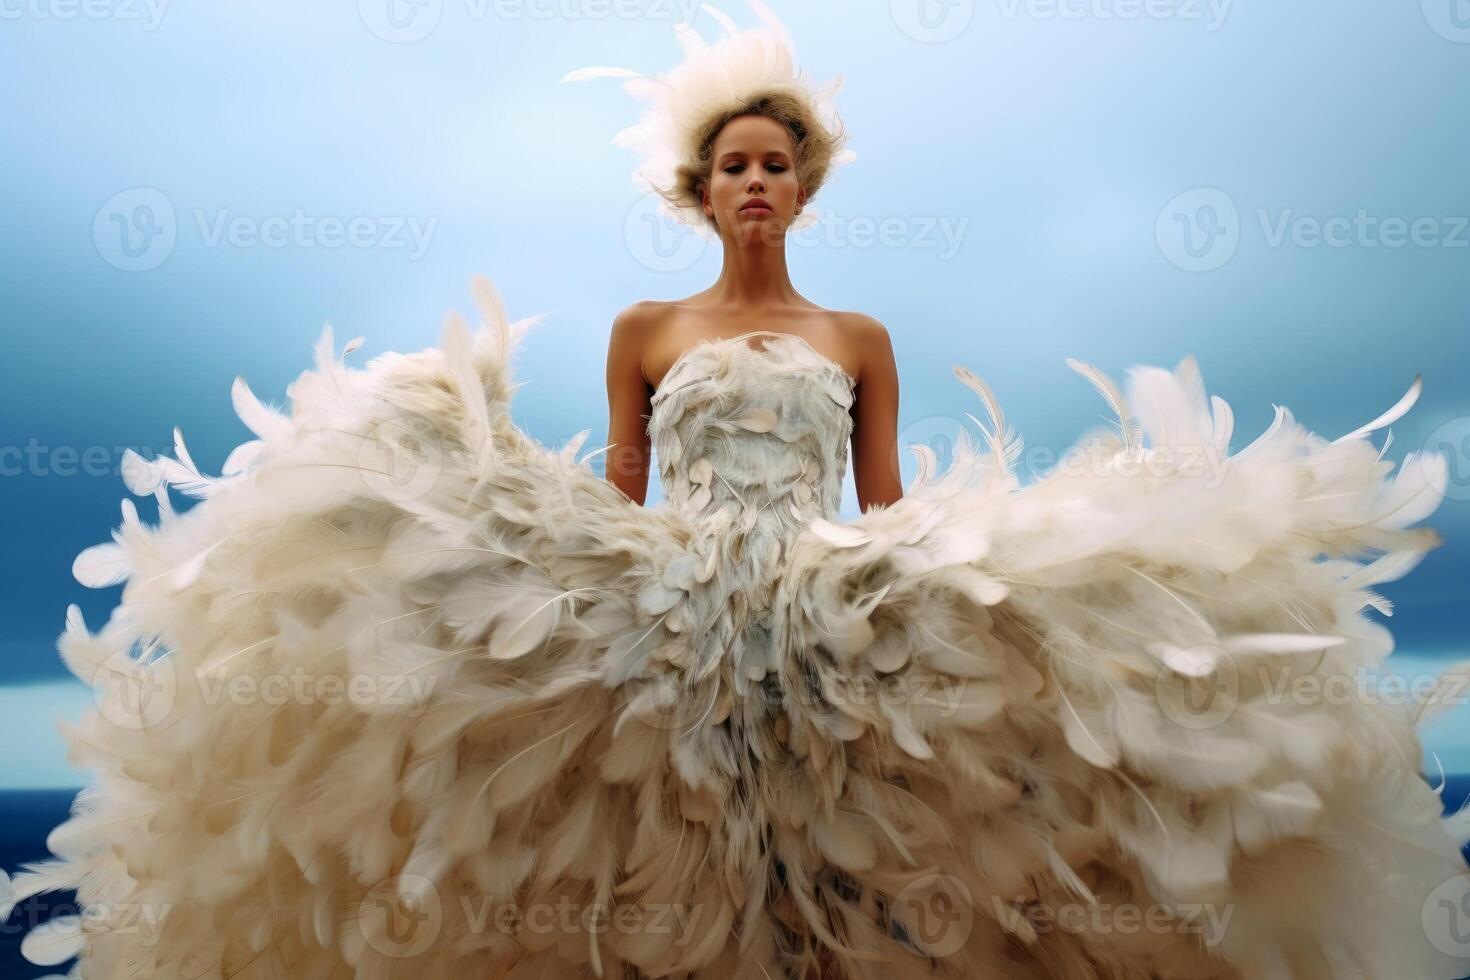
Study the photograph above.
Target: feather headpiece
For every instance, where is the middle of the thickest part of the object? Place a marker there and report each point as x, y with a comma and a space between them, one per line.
713, 79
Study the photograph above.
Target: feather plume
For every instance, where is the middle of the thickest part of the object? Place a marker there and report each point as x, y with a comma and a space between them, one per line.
793, 729
1399, 410
1111, 394
713, 78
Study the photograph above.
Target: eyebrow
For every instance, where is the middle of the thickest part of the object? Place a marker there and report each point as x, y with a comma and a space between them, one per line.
738, 153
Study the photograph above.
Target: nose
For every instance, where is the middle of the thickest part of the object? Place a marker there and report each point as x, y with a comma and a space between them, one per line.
756, 185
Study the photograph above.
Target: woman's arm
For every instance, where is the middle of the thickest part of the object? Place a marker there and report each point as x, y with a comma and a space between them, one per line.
628, 404
875, 418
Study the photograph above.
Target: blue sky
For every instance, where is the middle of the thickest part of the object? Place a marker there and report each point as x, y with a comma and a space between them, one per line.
192, 191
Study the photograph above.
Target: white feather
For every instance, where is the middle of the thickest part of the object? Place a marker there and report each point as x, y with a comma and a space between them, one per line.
1399, 410
265, 422
54, 941
101, 566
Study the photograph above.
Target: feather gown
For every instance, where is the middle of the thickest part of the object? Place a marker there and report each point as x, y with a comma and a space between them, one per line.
407, 694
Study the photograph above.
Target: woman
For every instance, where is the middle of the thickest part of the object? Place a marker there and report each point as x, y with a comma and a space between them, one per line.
750, 189
982, 730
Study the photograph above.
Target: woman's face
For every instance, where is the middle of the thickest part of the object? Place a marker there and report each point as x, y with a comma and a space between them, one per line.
753, 159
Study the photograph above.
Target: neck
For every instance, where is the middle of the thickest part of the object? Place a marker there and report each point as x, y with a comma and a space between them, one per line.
753, 276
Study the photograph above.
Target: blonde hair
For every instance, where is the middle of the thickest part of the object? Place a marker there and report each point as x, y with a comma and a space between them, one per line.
815, 146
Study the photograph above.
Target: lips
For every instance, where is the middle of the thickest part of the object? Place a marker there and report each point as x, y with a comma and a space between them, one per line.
756, 204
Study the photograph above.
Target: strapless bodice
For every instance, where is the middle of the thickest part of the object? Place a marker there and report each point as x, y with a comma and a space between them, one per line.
751, 436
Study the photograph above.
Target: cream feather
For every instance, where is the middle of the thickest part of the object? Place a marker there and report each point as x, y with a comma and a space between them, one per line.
739, 705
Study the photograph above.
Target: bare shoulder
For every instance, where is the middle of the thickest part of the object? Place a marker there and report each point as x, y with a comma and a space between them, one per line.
863, 329
636, 325
869, 340
639, 319
635, 332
